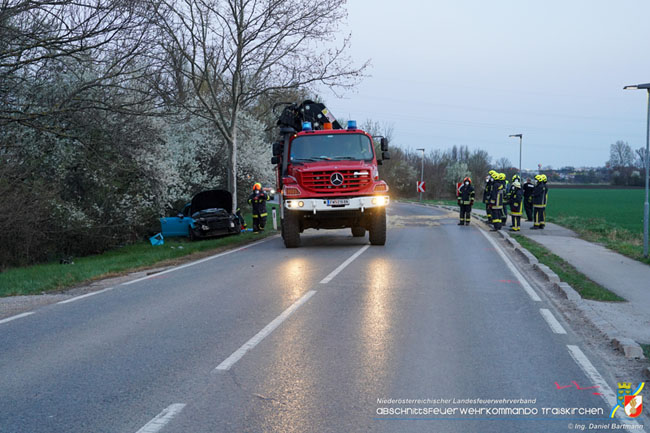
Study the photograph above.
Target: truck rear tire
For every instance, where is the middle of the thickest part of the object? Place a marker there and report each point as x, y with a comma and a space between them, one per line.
291, 230
377, 229
358, 231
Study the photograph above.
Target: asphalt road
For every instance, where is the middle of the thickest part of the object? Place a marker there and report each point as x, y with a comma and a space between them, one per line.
268, 339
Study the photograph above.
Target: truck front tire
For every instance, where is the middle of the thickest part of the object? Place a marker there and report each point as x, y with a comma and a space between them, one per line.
358, 231
291, 230
377, 229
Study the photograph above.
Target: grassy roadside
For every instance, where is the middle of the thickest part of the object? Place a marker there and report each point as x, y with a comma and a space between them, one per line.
609, 234
587, 288
46, 277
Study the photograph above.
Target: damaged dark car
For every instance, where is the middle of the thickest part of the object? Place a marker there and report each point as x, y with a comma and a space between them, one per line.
209, 214
212, 215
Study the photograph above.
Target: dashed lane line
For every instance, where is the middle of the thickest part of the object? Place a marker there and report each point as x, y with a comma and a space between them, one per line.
556, 327
343, 265
76, 298
162, 419
17, 316
239, 353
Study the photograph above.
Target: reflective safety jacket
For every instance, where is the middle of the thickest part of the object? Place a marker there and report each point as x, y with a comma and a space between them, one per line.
516, 200
496, 194
540, 195
258, 200
466, 194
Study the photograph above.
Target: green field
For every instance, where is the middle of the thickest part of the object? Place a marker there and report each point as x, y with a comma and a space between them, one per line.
622, 208
611, 217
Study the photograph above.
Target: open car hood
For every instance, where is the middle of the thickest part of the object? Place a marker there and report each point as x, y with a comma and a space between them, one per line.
210, 199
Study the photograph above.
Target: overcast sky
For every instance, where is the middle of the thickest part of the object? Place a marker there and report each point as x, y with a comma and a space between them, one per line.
472, 72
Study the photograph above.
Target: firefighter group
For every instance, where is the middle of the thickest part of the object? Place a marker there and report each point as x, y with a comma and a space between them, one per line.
499, 195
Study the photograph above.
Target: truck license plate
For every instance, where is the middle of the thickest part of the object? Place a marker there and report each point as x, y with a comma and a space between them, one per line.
338, 202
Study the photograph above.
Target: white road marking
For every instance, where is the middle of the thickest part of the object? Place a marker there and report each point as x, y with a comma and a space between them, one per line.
187, 265
162, 419
343, 265
533, 295
556, 327
67, 301
237, 355
18, 316
605, 391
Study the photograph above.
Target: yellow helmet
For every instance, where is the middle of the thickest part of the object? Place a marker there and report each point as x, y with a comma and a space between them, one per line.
538, 177
492, 173
515, 176
502, 176
544, 178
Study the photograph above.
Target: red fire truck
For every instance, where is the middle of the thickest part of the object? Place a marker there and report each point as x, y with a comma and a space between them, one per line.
327, 176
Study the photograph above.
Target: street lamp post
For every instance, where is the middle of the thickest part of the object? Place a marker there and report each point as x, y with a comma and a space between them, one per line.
520, 138
647, 167
421, 172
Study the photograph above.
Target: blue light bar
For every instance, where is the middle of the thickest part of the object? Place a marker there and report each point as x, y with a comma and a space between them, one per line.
306, 126
352, 124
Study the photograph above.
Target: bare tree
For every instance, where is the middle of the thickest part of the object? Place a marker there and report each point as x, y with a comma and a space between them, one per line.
237, 51
640, 157
503, 164
621, 154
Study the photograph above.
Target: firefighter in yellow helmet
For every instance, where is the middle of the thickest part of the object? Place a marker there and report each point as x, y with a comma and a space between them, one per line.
465, 201
516, 201
496, 200
540, 198
258, 200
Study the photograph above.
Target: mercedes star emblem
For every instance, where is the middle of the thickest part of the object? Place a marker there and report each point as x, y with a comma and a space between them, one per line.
336, 179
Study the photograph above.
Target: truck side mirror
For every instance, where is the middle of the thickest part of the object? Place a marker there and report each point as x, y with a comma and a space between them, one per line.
384, 144
277, 148
275, 160
385, 155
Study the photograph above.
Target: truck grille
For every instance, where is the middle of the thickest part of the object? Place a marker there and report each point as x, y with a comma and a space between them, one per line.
320, 181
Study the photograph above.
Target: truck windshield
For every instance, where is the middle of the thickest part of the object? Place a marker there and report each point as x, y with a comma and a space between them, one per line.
332, 147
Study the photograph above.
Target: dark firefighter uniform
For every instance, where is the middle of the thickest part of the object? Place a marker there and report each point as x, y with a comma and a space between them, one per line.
489, 183
509, 190
258, 200
465, 201
516, 201
540, 197
528, 198
496, 200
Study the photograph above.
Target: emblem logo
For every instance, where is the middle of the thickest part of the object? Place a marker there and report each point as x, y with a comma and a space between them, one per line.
633, 405
336, 179
630, 402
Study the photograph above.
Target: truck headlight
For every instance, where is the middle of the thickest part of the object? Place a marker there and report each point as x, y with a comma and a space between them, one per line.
379, 201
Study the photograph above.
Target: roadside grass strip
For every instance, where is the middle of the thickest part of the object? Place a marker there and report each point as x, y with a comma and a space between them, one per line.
38, 279
587, 288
